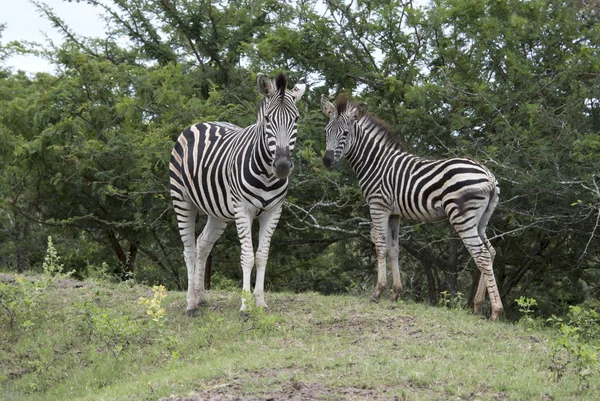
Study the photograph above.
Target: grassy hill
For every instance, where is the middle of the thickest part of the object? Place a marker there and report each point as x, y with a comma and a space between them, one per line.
74, 340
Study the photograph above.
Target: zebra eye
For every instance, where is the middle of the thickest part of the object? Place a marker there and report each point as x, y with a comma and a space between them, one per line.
268, 119
296, 119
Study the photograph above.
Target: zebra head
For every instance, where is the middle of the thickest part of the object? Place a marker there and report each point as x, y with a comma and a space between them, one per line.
279, 115
342, 125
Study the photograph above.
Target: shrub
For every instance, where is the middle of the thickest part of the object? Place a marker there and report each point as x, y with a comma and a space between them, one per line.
18, 300
577, 346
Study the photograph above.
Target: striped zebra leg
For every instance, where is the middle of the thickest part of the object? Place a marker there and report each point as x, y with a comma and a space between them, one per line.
186, 222
468, 230
268, 223
243, 223
380, 220
483, 260
481, 228
210, 234
393, 251
479, 299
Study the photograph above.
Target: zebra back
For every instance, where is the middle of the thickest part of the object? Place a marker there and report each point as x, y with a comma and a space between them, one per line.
410, 186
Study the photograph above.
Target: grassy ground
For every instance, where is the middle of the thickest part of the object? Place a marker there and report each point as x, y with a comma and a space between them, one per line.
94, 341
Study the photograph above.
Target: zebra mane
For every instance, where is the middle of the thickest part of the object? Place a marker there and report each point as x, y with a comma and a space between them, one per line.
388, 134
341, 102
281, 84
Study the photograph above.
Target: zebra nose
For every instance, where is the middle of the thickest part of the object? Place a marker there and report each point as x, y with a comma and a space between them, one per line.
282, 165
328, 160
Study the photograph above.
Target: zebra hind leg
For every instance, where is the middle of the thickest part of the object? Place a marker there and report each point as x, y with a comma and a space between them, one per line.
483, 259
186, 221
393, 251
481, 228
210, 234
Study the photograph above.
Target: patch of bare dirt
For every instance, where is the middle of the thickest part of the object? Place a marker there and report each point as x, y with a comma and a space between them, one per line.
62, 283
292, 391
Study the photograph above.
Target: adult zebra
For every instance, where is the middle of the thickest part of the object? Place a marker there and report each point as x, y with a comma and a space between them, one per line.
234, 174
397, 185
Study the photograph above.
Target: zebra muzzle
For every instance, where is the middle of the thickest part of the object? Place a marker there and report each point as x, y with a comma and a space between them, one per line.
329, 160
282, 165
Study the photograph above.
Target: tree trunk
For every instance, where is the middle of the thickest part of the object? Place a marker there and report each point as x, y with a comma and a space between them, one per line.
127, 260
21, 254
450, 272
427, 259
133, 250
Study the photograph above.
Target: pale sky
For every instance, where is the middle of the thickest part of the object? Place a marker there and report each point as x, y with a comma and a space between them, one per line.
24, 22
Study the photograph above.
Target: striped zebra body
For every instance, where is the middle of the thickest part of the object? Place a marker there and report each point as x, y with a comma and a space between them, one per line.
234, 174
222, 170
398, 185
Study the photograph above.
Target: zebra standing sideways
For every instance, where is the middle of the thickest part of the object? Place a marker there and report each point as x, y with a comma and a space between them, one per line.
234, 174
397, 185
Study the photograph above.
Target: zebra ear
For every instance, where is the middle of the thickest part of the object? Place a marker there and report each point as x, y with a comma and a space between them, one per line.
360, 111
265, 85
299, 89
326, 106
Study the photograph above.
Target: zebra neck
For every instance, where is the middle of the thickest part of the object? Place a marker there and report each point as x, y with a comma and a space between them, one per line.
371, 148
261, 158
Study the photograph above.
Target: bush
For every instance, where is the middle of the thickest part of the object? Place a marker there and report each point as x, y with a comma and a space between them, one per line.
578, 345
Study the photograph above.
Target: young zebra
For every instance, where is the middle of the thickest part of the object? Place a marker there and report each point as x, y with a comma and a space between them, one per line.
397, 185
234, 174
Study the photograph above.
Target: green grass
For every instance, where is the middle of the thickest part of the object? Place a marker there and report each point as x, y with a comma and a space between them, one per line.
319, 347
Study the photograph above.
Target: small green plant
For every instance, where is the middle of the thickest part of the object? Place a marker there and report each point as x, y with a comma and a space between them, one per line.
18, 301
52, 266
156, 312
115, 331
577, 345
258, 318
452, 301
154, 307
526, 308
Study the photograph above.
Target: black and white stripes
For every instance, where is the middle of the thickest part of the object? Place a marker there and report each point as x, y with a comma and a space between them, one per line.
397, 185
233, 174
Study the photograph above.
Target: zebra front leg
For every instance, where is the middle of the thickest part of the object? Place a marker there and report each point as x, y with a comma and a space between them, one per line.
393, 251
379, 237
268, 223
243, 223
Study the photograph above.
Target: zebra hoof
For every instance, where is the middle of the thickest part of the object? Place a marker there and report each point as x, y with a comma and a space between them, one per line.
244, 315
191, 312
374, 299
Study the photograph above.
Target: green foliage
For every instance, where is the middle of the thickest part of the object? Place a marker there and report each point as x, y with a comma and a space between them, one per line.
154, 307
452, 301
52, 266
84, 152
19, 300
526, 307
257, 318
577, 346
115, 331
